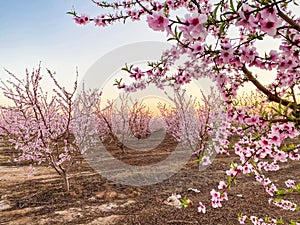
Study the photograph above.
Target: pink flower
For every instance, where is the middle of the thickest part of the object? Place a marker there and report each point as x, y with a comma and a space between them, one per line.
222, 185
273, 55
232, 172
264, 142
196, 28
248, 54
82, 20
281, 156
267, 181
183, 79
275, 138
243, 219
247, 168
214, 194
197, 48
196, 19
193, 27
247, 20
262, 153
227, 55
137, 74
269, 14
216, 203
99, 21
134, 14
157, 21
269, 26
205, 161
201, 208
254, 219
224, 197
252, 120
271, 190
259, 178
290, 183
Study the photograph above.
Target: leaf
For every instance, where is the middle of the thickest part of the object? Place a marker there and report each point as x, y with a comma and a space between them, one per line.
165, 9
239, 5
292, 222
280, 193
287, 108
185, 202
232, 6
234, 181
298, 188
215, 11
179, 36
222, 28
229, 182
170, 39
280, 221
73, 13
178, 19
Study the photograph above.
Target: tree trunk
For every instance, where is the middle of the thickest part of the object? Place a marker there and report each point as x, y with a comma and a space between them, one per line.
66, 182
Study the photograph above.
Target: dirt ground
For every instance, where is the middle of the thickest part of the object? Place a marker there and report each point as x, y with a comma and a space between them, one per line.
40, 198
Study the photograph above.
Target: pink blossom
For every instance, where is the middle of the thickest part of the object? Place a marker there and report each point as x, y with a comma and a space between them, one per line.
248, 54
201, 208
247, 20
82, 20
254, 219
215, 194
243, 219
137, 73
270, 26
99, 21
158, 21
193, 27
247, 168
227, 55
253, 120
264, 142
222, 185
269, 14
290, 183
216, 203
275, 138
224, 197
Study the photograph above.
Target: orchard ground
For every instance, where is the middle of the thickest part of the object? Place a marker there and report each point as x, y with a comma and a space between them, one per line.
40, 198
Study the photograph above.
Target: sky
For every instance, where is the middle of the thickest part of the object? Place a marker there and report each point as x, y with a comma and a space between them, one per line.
35, 31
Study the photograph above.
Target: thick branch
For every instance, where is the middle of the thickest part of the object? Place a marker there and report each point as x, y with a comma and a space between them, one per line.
271, 96
289, 20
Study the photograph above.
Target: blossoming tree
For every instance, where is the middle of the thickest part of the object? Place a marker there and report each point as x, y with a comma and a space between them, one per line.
38, 125
115, 122
220, 39
193, 120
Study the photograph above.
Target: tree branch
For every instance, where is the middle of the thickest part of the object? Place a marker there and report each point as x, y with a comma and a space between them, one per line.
288, 20
271, 96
